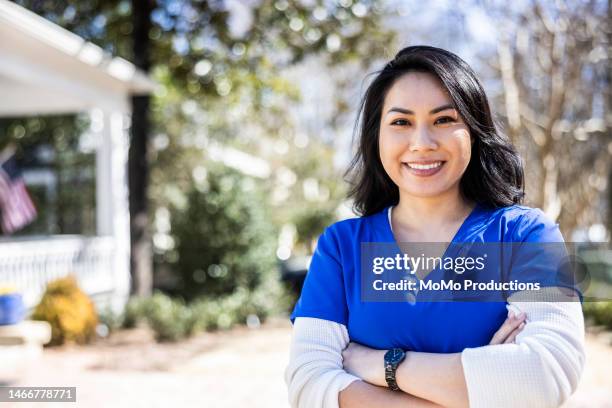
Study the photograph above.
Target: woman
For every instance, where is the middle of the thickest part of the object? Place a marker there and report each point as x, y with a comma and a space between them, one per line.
431, 167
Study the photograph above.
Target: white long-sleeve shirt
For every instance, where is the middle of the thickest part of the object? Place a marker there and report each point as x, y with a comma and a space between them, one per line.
540, 369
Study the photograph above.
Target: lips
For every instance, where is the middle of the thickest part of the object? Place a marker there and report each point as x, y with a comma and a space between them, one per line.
423, 168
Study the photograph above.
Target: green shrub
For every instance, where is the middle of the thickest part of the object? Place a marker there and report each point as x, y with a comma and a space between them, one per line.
110, 319
69, 311
170, 318
311, 220
135, 312
599, 313
222, 312
226, 311
224, 238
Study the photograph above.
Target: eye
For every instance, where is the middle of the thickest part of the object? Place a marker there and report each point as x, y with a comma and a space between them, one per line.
445, 119
400, 122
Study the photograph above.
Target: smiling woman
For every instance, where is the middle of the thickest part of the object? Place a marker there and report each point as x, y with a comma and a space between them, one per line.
420, 142
432, 168
425, 97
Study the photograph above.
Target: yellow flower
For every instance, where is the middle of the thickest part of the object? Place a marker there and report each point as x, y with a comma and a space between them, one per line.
7, 289
69, 310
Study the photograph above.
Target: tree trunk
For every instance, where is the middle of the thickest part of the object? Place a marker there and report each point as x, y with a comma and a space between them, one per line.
608, 129
141, 262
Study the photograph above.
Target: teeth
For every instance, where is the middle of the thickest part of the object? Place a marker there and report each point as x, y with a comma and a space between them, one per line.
424, 166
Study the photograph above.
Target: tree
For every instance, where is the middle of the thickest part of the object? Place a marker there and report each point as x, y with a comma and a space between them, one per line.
141, 261
554, 66
189, 46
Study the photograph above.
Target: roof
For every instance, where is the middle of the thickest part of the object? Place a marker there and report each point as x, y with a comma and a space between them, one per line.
47, 69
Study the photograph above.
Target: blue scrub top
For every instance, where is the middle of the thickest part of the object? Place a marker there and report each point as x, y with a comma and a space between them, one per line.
332, 286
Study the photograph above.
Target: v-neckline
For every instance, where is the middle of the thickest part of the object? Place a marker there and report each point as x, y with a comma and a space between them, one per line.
389, 227
458, 233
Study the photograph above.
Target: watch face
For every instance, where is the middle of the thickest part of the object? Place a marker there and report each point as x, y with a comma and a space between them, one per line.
394, 355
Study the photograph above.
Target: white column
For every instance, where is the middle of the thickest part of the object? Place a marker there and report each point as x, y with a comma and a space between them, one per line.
112, 205
100, 128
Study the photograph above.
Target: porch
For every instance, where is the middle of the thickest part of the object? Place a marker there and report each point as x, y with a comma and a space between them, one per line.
46, 70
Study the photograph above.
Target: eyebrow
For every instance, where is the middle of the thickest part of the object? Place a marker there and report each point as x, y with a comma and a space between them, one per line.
433, 111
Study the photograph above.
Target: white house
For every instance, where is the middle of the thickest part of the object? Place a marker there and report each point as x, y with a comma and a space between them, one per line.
46, 70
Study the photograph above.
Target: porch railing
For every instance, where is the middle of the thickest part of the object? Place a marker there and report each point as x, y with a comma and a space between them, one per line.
30, 263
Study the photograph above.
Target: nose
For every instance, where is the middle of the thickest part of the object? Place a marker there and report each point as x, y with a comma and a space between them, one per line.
422, 140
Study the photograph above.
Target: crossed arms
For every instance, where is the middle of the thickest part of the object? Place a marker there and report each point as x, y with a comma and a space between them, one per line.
540, 367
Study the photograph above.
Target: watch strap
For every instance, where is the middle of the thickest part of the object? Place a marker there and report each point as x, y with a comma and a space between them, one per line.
391, 368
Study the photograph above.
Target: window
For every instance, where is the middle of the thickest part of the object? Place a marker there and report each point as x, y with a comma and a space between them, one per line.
58, 166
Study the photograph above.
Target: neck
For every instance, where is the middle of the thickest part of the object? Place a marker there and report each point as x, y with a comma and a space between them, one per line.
422, 213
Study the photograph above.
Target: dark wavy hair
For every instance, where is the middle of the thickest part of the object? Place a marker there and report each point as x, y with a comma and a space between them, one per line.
494, 176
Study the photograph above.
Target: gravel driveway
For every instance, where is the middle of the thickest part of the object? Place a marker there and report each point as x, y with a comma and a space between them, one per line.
239, 368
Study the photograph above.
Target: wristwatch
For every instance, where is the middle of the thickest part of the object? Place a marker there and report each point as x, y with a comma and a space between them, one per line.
393, 358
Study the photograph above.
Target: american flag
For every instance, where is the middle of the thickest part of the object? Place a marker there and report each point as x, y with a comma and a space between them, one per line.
15, 203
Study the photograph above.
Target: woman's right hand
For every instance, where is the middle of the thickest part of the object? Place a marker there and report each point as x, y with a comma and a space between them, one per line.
509, 329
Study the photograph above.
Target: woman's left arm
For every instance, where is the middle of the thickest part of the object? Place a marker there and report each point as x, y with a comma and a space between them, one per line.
541, 368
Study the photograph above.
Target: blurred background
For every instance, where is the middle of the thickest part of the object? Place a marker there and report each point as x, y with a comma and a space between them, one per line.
168, 166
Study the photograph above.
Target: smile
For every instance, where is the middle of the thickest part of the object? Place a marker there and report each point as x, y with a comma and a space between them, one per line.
423, 169
427, 166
